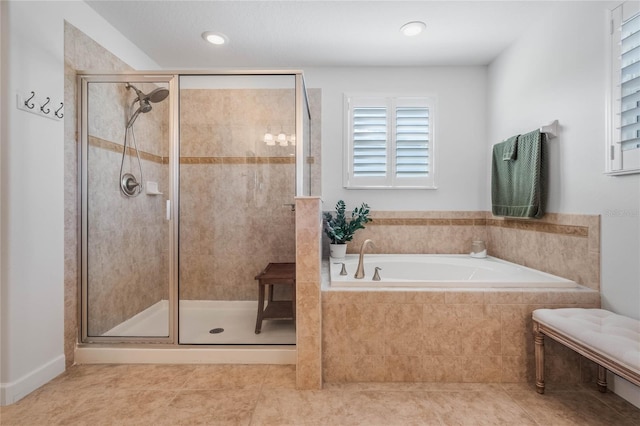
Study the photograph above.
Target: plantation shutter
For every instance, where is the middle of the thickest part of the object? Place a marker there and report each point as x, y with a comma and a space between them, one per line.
369, 141
625, 49
412, 142
388, 142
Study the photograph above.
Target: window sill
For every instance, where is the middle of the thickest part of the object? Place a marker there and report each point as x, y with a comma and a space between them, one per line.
389, 187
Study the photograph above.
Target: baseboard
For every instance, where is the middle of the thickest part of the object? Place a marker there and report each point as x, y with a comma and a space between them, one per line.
14, 391
624, 389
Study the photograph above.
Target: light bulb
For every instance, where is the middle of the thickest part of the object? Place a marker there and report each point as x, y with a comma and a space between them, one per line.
282, 139
268, 139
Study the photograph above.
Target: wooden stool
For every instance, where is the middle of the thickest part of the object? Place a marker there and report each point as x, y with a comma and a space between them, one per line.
276, 274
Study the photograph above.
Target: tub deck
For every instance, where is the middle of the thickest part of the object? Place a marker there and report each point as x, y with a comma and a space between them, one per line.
441, 271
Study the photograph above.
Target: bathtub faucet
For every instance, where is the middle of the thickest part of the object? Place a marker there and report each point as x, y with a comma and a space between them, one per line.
360, 271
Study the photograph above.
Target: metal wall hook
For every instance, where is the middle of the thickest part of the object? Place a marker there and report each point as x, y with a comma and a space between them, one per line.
26, 103
44, 105
59, 109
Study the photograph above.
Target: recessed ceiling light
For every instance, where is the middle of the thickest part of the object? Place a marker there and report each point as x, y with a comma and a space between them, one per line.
214, 38
413, 28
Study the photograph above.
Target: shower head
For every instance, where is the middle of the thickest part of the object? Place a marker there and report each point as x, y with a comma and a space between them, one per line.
156, 95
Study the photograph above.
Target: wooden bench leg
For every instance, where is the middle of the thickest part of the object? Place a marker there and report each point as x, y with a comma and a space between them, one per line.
539, 354
260, 308
602, 379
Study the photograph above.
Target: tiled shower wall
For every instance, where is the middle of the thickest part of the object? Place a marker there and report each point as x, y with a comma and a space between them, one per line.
80, 53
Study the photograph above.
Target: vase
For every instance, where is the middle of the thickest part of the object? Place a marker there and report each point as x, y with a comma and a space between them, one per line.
337, 251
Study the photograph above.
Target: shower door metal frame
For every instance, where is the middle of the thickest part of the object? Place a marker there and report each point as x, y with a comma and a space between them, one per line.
83, 81
302, 99
173, 79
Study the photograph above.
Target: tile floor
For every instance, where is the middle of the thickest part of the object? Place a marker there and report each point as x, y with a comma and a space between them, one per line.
266, 395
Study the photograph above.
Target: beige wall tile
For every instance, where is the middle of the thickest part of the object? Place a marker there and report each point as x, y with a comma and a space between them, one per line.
487, 339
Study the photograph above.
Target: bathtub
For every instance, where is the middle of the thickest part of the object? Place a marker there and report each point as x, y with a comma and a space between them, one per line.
435, 270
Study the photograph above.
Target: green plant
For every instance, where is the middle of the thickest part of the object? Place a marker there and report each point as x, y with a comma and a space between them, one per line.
339, 229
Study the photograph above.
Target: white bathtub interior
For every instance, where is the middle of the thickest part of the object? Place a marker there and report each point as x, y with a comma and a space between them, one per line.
197, 318
433, 270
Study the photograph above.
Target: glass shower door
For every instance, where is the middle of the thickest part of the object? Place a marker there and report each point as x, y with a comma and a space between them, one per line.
125, 184
237, 188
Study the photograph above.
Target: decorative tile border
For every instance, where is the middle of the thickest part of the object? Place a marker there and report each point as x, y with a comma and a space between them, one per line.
115, 147
426, 222
525, 225
548, 228
237, 160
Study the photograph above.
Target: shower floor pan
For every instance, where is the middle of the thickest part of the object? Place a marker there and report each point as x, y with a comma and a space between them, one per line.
198, 318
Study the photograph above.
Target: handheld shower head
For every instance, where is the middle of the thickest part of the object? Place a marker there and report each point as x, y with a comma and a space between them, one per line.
144, 107
156, 95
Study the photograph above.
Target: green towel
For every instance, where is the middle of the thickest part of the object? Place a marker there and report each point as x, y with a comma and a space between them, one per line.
517, 186
510, 150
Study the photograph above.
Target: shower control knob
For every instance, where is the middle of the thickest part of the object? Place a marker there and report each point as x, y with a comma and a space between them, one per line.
129, 185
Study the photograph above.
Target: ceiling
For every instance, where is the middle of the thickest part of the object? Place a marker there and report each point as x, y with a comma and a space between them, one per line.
298, 34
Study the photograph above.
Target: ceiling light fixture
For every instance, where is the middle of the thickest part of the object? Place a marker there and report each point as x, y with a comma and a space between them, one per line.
214, 38
413, 28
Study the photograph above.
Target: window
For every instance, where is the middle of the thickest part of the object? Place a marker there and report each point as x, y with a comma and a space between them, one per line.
389, 142
623, 145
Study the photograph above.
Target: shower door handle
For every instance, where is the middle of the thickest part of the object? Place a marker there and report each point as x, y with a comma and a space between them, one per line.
168, 210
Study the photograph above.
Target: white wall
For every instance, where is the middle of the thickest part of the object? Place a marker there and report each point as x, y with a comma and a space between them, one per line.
460, 134
558, 71
32, 196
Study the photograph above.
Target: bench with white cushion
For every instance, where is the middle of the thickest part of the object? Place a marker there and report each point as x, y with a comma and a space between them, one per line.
610, 340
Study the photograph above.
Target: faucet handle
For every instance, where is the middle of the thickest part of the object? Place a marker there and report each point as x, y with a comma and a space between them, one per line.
376, 275
343, 271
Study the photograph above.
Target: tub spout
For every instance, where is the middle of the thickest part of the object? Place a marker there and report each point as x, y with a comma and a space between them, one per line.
360, 271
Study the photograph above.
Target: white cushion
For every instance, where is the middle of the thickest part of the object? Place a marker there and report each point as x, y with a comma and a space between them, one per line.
613, 335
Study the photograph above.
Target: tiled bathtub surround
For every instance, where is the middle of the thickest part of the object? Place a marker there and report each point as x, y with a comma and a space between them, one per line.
308, 279
452, 335
566, 245
443, 335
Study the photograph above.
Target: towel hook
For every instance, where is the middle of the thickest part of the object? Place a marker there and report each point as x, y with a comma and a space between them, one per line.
59, 109
44, 105
26, 103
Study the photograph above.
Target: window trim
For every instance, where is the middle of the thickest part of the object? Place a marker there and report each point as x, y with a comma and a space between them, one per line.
391, 101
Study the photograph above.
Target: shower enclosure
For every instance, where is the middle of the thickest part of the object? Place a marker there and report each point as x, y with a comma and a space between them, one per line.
188, 185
